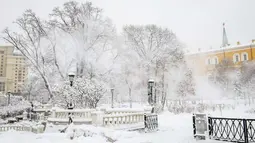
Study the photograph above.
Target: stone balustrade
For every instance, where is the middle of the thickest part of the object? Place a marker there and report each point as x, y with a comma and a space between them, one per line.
121, 121
34, 129
116, 117
78, 115
119, 111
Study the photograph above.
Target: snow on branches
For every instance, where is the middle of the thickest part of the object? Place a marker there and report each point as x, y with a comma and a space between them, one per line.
186, 86
85, 93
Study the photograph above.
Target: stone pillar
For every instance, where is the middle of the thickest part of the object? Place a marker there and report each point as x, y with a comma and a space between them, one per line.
25, 115
147, 109
41, 116
97, 118
53, 113
40, 129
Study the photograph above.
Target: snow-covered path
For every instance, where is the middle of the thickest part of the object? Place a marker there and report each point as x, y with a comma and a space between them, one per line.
172, 129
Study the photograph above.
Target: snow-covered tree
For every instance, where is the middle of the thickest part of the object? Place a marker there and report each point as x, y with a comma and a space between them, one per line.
221, 74
247, 79
12, 108
186, 87
85, 93
75, 37
88, 37
156, 51
32, 39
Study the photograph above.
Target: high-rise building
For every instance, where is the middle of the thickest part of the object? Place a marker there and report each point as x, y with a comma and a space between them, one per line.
13, 70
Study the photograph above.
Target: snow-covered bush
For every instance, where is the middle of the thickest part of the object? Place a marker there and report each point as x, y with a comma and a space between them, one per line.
85, 93
17, 105
201, 107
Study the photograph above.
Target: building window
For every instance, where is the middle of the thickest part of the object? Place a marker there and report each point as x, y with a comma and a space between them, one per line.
2, 86
208, 61
216, 60
236, 58
244, 56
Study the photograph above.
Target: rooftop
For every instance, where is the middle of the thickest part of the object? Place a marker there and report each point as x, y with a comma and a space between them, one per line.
227, 48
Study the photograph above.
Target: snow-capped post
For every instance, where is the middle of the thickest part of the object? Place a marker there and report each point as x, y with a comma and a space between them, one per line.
24, 115
97, 118
112, 91
9, 97
150, 92
200, 126
53, 115
40, 129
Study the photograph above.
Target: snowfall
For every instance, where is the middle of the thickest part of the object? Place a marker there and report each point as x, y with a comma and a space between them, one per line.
173, 128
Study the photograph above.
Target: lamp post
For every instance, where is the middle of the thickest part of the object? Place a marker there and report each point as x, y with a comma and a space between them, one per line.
9, 97
71, 79
150, 91
112, 91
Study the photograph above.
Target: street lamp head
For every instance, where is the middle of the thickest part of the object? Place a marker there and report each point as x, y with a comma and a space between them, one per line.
71, 76
151, 82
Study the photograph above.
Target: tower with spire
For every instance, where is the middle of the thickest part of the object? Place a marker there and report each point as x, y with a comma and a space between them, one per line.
224, 38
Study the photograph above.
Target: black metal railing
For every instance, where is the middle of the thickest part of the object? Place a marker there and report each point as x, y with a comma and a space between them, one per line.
232, 129
250, 129
151, 122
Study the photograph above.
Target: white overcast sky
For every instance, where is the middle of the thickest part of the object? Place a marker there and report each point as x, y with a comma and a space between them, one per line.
197, 23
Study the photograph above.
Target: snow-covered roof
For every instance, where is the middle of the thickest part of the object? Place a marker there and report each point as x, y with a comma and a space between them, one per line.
227, 48
17, 53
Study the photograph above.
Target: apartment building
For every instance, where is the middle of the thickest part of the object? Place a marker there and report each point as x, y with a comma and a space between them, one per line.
13, 70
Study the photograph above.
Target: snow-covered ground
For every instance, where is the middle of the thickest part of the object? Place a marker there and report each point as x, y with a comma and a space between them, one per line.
172, 128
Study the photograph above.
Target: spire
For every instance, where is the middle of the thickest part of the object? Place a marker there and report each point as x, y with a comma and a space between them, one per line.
224, 38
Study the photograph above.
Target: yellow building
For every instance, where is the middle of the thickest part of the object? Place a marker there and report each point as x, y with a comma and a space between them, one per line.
13, 70
203, 62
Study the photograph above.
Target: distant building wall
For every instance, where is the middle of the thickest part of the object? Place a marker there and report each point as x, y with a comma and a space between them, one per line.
13, 70
203, 62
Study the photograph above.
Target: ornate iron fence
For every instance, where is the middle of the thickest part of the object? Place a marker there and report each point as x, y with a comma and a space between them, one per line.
232, 129
151, 122
250, 129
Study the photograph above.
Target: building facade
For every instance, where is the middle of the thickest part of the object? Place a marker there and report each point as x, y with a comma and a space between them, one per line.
204, 62
13, 70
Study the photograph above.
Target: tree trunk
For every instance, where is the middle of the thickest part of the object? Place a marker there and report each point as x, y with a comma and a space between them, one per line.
130, 97
46, 83
163, 102
56, 63
155, 84
163, 87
